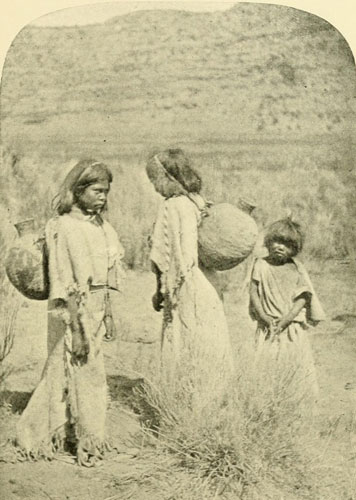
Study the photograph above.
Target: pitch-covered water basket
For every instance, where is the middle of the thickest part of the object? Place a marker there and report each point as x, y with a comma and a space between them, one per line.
26, 263
226, 237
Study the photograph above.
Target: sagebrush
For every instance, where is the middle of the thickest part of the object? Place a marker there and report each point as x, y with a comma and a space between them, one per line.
315, 196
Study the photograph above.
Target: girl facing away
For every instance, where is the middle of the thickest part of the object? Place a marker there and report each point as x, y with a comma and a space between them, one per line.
283, 302
196, 348
68, 408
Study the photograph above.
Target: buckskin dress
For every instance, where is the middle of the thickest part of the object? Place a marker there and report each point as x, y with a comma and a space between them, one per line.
68, 407
195, 349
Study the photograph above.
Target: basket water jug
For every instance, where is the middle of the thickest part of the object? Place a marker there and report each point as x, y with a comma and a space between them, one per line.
27, 264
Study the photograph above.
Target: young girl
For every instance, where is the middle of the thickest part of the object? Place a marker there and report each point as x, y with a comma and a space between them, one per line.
195, 340
68, 408
283, 301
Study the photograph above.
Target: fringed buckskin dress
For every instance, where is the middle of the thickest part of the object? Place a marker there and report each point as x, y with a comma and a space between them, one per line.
68, 407
196, 348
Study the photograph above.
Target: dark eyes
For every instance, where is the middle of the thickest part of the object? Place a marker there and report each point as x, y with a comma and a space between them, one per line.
282, 241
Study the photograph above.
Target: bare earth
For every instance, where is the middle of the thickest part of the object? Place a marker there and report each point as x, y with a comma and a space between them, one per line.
136, 352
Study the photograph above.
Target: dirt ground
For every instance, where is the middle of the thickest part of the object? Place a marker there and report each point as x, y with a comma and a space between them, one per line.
135, 353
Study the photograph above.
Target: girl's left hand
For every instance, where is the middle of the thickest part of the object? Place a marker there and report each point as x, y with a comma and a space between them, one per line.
281, 325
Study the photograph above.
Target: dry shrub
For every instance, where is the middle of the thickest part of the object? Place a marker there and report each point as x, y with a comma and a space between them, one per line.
26, 191
159, 476
27, 187
315, 195
259, 444
10, 302
133, 207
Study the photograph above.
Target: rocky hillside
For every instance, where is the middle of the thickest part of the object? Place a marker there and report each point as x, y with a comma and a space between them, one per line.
253, 73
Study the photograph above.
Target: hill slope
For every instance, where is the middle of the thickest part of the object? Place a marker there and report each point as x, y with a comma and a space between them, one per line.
256, 72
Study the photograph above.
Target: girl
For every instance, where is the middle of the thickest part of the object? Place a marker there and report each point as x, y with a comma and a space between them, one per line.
68, 408
282, 301
195, 342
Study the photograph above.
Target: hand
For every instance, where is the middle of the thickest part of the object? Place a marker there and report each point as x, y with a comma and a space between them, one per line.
157, 301
270, 323
269, 327
281, 325
80, 346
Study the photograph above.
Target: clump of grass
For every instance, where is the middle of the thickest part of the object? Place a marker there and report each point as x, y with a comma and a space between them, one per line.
133, 207
254, 441
316, 197
27, 187
9, 306
160, 477
313, 194
259, 443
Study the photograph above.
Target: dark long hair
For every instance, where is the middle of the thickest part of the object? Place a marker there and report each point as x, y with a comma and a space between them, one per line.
171, 173
177, 164
288, 232
83, 174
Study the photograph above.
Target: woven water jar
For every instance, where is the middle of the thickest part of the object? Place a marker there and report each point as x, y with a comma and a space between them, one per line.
226, 237
26, 263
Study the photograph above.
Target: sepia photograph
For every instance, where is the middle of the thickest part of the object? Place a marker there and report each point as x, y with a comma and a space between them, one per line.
178, 253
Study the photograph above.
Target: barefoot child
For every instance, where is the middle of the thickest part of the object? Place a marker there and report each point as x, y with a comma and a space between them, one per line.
283, 301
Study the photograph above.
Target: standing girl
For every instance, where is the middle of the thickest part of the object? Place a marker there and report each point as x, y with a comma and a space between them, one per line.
196, 350
68, 408
283, 301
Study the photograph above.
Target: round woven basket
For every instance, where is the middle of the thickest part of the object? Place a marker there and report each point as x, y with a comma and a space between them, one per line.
26, 263
226, 237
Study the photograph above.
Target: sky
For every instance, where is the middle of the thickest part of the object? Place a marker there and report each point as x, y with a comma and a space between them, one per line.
15, 14
103, 11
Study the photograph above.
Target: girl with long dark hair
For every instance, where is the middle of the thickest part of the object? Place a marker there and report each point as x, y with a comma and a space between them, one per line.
68, 408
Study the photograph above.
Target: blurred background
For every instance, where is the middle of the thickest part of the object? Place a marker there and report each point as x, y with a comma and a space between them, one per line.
260, 96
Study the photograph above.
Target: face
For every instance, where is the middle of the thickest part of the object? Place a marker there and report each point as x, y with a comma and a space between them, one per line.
94, 197
280, 251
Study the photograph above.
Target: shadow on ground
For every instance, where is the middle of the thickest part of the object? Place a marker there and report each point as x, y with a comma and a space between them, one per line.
126, 391
121, 389
131, 393
17, 400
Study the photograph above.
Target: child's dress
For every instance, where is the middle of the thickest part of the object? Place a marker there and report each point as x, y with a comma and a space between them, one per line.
286, 362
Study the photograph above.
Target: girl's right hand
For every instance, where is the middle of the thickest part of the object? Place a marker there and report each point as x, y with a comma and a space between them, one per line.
157, 301
270, 322
271, 325
80, 347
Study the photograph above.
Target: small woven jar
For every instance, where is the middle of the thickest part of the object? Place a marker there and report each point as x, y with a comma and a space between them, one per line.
26, 263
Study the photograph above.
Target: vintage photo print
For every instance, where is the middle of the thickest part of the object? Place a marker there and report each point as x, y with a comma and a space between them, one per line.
178, 241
